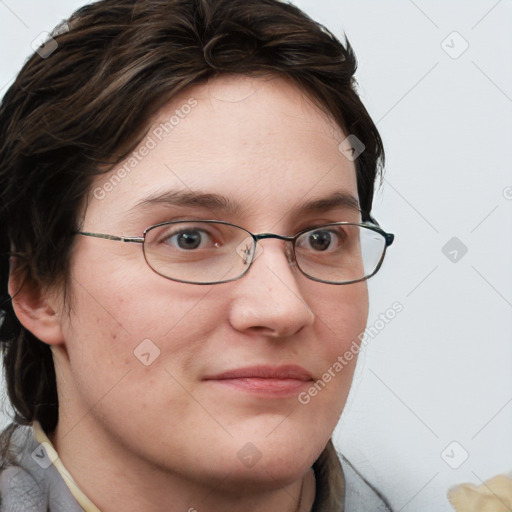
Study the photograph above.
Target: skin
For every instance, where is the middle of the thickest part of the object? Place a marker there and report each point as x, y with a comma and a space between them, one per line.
160, 437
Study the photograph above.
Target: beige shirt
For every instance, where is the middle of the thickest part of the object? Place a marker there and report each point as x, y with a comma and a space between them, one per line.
77, 493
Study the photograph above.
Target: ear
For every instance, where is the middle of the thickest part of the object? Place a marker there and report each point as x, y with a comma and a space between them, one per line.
35, 308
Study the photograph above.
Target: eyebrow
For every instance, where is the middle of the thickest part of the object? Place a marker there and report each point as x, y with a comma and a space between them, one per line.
190, 199
336, 201
219, 203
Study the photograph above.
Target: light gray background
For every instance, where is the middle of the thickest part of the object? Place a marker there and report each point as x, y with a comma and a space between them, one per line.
441, 370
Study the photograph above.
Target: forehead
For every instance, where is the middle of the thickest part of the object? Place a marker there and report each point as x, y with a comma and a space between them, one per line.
260, 142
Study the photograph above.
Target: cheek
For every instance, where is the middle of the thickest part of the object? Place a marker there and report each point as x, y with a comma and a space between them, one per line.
341, 315
136, 322
134, 355
342, 312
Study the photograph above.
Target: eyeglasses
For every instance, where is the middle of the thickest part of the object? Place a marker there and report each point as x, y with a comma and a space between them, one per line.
213, 252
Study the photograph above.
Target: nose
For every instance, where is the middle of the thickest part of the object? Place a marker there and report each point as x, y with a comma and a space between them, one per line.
268, 299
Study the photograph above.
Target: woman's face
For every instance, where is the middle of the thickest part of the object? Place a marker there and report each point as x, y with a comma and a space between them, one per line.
141, 356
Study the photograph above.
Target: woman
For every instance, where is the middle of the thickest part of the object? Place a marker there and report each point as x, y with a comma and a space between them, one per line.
186, 189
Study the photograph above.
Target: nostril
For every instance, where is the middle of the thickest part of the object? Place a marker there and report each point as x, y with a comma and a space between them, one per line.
262, 328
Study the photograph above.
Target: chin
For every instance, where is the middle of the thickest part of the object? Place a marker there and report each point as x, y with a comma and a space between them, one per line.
276, 463
267, 475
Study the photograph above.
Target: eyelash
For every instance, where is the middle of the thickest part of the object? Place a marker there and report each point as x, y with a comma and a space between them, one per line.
293, 229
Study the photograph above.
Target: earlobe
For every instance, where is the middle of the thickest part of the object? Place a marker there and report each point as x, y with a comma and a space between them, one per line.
34, 309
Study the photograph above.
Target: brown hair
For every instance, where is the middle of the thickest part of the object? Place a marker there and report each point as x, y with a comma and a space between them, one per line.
86, 106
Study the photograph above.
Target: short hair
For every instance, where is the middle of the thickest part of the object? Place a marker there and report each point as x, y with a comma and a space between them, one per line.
83, 109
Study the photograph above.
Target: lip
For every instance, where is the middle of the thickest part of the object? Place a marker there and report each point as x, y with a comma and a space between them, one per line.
289, 371
265, 379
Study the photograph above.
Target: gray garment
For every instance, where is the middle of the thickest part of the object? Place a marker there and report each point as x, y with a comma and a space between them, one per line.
35, 485
359, 495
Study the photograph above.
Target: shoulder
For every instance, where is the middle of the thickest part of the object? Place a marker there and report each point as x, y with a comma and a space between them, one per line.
359, 494
21, 491
28, 480
19, 487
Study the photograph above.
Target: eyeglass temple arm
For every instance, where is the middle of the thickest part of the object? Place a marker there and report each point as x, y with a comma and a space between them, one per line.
134, 239
390, 237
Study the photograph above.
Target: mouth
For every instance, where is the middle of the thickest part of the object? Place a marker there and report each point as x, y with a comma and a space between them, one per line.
280, 381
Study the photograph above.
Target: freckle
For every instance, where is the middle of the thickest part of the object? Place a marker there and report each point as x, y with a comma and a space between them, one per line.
114, 336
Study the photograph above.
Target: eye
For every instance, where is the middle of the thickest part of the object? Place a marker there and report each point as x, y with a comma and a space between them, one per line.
322, 240
190, 239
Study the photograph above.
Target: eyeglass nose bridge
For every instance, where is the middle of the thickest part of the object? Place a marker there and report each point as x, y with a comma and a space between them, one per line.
263, 236
290, 252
